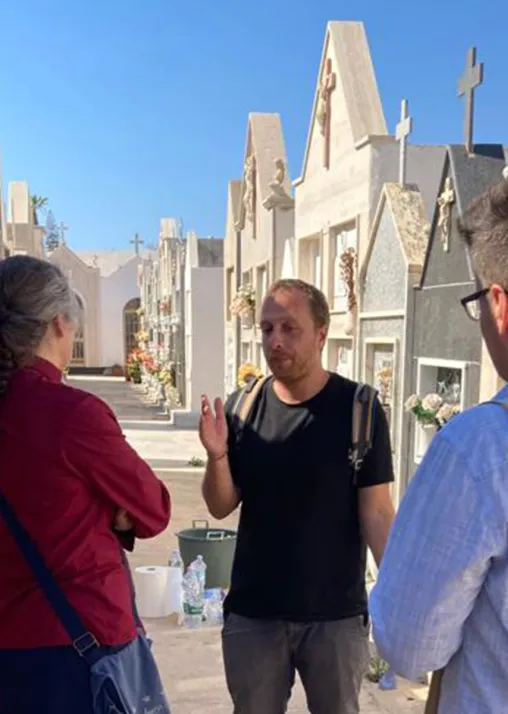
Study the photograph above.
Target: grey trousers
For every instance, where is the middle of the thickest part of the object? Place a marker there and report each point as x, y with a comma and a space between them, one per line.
261, 658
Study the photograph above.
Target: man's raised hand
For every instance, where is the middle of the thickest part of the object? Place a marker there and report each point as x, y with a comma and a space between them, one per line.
213, 428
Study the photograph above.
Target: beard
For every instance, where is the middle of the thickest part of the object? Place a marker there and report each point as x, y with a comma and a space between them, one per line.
287, 369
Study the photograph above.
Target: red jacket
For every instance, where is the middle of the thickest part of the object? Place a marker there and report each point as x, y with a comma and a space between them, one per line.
65, 468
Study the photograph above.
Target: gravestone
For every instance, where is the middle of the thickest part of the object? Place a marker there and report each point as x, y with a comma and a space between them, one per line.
447, 345
391, 270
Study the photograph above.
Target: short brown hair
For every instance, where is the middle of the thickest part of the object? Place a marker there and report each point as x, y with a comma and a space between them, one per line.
317, 302
484, 228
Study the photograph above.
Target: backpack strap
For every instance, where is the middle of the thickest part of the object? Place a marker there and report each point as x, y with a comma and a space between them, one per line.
364, 403
246, 398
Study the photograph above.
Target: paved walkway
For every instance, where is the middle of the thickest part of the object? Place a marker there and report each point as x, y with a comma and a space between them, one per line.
190, 661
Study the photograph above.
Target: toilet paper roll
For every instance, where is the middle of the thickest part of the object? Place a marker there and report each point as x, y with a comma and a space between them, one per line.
152, 591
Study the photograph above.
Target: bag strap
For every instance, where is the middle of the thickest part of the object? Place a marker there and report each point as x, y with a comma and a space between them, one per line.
434, 696
247, 398
83, 641
364, 404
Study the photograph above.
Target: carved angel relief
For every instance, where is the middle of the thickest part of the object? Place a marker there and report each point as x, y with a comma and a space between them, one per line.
249, 191
280, 174
278, 196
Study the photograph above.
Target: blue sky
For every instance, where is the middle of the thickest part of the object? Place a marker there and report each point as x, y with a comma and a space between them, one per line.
124, 112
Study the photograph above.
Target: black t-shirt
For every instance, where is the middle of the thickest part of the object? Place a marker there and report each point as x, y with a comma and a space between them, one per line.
300, 555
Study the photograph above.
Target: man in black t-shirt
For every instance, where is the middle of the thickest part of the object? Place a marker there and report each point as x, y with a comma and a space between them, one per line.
297, 600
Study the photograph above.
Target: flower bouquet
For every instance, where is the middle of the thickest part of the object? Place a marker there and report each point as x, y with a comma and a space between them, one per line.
165, 306
142, 337
347, 271
384, 379
246, 372
431, 411
135, 360
165, 375
244, 302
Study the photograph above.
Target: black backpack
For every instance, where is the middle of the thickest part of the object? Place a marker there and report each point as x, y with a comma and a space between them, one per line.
364, 404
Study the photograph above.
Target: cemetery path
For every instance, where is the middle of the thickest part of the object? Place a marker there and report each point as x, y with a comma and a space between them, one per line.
190, 660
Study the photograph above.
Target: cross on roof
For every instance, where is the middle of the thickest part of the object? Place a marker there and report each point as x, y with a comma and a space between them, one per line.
62, 229
324, 108
136, 241
470, 80
403, 130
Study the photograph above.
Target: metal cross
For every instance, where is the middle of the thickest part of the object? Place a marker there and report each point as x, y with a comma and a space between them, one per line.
137, 241
403, 130
62, 229
470, 80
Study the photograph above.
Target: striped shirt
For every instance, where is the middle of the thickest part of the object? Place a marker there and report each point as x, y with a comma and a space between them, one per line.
442, 594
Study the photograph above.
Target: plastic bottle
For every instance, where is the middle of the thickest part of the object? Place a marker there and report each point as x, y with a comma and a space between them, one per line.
199, 567
175, 589
175, 560
192, 599
213, 609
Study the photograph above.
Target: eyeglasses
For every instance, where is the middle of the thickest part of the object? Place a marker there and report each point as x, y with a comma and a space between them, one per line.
471, 303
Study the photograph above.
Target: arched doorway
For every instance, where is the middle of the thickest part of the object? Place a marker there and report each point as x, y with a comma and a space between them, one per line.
78, 349
131, 325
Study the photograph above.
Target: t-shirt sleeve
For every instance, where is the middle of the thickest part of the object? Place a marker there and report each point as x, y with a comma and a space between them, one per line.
233, 430
377, 467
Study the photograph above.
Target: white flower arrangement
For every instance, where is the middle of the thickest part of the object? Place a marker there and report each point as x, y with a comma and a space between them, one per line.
172, 396
413, 401
432, 402
244, 302
431, 411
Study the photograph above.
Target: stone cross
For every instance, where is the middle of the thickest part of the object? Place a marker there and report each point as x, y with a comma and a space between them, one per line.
445, 201
136, 241
324, 108
62, 229
403, 130
470, 80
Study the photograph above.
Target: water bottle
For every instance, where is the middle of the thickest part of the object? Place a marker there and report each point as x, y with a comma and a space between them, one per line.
175, 585
175, 560
213, 610
192, 599
199, 567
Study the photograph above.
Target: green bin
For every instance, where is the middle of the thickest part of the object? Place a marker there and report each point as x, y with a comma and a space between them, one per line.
216, 545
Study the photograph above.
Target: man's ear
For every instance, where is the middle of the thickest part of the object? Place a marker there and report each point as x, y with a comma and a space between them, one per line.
499, 306
323, 334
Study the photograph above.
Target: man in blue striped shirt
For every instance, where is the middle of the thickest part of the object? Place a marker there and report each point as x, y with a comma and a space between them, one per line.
441, 600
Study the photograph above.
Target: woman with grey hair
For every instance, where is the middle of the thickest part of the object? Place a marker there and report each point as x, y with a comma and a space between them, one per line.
67, 477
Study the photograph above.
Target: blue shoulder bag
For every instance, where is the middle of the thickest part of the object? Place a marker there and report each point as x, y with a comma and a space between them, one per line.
125, 681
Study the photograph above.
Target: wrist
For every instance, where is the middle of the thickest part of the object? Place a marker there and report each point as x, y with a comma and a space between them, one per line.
218, 456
